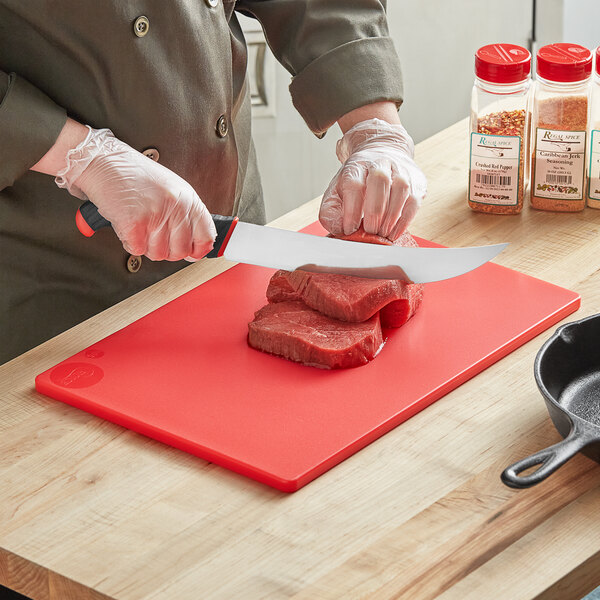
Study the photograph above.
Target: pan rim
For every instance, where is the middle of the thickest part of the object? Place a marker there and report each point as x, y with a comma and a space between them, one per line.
575, 419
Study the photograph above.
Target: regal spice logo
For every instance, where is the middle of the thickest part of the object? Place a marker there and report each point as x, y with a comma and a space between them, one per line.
566, 142
496, 142
494, 146
560, 136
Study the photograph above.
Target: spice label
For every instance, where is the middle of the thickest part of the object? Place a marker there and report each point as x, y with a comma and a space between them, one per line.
594, 191
494, 169
559, 164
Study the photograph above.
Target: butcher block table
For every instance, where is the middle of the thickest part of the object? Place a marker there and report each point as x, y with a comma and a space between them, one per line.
90, 510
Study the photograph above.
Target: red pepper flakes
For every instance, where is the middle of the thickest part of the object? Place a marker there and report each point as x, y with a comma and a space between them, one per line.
509, 123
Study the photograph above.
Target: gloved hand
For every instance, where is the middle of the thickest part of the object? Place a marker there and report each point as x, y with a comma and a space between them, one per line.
152, 210
378, 183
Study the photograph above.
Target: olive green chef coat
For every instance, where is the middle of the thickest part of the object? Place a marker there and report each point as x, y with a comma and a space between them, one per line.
168, 77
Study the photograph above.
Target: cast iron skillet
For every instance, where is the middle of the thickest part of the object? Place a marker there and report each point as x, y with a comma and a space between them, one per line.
567, 372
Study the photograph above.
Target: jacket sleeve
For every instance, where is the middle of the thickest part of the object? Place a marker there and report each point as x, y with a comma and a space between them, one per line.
30, 122
339, 53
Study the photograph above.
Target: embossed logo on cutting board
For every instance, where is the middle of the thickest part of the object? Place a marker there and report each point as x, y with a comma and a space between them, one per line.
76, 375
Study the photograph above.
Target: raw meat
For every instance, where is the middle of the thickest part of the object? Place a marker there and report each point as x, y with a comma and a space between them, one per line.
360, 235
293, 330
349, 298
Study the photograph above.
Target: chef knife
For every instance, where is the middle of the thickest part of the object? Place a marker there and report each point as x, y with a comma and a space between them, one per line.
290, 250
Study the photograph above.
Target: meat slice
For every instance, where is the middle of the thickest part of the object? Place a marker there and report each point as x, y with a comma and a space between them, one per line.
294, 331
282, 287
347, 298
360, 235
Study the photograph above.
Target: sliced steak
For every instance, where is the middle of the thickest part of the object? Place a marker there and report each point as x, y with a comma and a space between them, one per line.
282, 287
347, 298
360, 235
294, 331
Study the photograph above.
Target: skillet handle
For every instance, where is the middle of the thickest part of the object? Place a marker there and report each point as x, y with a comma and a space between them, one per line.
549, 458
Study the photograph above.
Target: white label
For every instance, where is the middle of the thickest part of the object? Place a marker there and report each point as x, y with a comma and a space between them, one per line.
494, 169
559, 164
594, 191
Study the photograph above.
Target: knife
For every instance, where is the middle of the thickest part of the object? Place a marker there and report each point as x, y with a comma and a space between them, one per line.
290, 250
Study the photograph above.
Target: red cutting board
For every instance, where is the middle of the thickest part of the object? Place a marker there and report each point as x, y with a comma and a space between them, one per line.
184, 374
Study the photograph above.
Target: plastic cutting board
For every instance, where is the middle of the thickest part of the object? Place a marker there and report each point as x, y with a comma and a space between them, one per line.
184, 374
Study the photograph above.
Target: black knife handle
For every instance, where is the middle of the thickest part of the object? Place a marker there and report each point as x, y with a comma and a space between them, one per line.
224, 226
89, 220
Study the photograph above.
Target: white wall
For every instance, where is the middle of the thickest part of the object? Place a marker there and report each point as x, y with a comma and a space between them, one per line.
581, 22
575, 21
549, 23
436, 41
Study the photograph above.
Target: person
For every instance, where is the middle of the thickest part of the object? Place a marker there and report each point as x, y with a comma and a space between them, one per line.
143, 108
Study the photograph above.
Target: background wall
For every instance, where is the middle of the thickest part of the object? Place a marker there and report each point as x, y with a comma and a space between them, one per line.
580, 22
436, 41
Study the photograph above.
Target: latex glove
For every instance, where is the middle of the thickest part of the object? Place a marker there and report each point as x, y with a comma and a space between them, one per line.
153, 211
378, 183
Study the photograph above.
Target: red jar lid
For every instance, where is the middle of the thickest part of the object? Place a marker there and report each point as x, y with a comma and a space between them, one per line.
598, 60
564, 62
502, 63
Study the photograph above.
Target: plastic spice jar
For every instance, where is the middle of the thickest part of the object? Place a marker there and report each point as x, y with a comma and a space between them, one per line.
558, 127
499, 125
593, 195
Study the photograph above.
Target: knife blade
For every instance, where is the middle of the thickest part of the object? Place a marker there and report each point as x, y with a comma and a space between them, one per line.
290, 250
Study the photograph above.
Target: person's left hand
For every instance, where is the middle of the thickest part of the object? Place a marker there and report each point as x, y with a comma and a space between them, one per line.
379, 183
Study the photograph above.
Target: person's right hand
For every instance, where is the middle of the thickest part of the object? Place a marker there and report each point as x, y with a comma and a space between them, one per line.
153, 211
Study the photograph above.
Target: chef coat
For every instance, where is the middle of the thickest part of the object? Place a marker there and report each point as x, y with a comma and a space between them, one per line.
169, 79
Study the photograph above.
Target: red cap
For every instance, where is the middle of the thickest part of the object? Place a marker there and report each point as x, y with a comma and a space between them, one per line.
502, 63
598, 60
564, 62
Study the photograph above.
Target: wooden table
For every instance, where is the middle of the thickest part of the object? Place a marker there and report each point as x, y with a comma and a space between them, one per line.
91, 510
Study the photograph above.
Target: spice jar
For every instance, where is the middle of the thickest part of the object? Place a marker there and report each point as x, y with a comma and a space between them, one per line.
558, 126
499, 125
593, 194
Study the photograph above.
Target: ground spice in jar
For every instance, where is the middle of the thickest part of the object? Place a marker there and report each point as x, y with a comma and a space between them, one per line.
558, 127
559, 114
504, 123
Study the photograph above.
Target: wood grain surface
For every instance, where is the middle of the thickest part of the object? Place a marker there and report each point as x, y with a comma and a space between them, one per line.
89, 510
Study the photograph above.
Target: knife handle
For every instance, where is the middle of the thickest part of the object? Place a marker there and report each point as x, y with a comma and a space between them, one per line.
89, 220
224, 226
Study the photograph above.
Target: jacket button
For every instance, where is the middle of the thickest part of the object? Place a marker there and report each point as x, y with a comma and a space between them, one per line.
222, 126
141, 26
152, 154
212, 3
134, 263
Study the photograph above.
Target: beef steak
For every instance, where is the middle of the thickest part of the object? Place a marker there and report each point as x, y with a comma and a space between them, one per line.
347, 298
294, 331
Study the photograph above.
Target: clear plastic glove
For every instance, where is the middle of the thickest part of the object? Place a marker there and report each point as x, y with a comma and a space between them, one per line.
379, 183
153, 211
